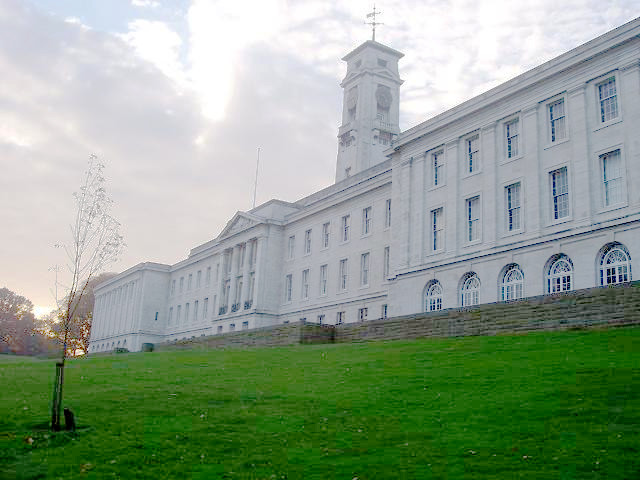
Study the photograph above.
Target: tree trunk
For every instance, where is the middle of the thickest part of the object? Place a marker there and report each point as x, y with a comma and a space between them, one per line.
56, 408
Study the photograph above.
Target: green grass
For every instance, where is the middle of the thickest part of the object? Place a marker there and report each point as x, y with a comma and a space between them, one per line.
546, 406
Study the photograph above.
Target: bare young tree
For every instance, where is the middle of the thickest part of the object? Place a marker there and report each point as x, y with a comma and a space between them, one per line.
95, 243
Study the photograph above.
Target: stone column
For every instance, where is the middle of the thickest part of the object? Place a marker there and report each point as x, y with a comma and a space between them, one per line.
232, 276
452, 195
402, 211
630, 88
258, 270
489, 165
245, 276
531, 206
579, 171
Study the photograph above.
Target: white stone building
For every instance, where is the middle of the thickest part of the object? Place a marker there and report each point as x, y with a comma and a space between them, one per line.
524, 190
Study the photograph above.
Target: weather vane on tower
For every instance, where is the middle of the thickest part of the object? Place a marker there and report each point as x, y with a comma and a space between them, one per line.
373, 22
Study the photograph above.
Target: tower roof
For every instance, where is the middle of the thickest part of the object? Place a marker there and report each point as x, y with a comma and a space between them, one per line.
375, 45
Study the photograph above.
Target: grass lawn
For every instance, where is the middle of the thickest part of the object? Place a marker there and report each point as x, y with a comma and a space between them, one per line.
562, 405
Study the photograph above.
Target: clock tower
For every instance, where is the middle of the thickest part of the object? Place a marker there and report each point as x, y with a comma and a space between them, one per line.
370, 108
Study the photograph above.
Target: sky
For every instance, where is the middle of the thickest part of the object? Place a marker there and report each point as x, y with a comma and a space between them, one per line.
175, 97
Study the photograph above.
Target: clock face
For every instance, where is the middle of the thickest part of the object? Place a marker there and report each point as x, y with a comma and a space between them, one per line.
383, 96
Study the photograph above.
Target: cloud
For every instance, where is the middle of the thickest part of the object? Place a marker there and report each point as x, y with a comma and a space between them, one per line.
145, 3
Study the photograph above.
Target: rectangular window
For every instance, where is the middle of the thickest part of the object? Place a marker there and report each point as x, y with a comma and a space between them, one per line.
305, 283
291, 247
560, 193
437, 165
321, 319
323, 279
364, 270
437, 229
326, 230
386, 261
208, 277
245, 325
186, 312
344, 275
362, 314
217, 272
612, 177
189, 282
252, 285
170, 315
340, 318
384, 311
387, 213
366, 221
181, 284
173, 287
511, 132
473, 153
307, 242
196, 304
179, 314
345, 228
205, 308
512, 194
557, 121
288, 285
198, 278
473, 218
608, 99
229, 259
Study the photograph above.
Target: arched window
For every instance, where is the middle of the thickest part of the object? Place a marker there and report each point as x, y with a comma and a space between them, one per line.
559, 274
615, 264
512, 283
470, 290
433, 296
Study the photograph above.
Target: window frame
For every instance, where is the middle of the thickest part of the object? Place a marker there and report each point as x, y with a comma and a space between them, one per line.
433, 295
469, 220
387, 214
288, 288
307, 241
507, 286
601, 81
513, 210
326, 235
508, 136
436, 229
465, 292
345, 228
343, 275
365, 269
550, 121
602, 155
472, 159
304, 284
553, 197
562, 278
438, 168
367, 221
324, 279
291, 247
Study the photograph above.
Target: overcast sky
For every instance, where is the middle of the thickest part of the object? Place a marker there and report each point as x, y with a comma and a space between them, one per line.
176, 97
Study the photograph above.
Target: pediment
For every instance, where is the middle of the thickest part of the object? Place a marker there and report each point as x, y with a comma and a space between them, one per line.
240, 221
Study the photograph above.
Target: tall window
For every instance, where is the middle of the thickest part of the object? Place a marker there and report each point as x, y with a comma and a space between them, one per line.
512, 135
181, 284
473, 153
560, 275
208, 277
305, 283
608, 99
612, 177
473, 218
186, 313
178, 314
385, 263
366, 221
173, 287
387, 213
189, 282
291, 247
323, 279
512, 194
340, 318
470, 290
364, 269
196, 304
288, 287
205, 308
437, 167
307, 242
362, 314
345, 228
560, 193
615, 265
433, 296
252, 286
384, 311
326, 230
198, 278
557, 126
437, 229
344, 274
170, 315
512, 283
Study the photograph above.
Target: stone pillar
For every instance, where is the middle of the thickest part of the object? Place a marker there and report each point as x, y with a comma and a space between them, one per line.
489, 165
258, 271
532, 211
400, 252
452, 194
416, 189
245, 275
232, 276
579, 171
630, 86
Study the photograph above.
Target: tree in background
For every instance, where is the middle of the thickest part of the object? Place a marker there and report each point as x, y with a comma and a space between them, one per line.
95, 243
18, 326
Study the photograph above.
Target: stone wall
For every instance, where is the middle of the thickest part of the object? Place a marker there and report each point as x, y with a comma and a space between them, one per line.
585, 308
591, 307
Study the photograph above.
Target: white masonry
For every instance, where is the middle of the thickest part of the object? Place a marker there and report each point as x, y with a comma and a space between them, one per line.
528, 189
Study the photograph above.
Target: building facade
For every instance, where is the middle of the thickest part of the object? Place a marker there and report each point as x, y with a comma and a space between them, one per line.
524, 190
